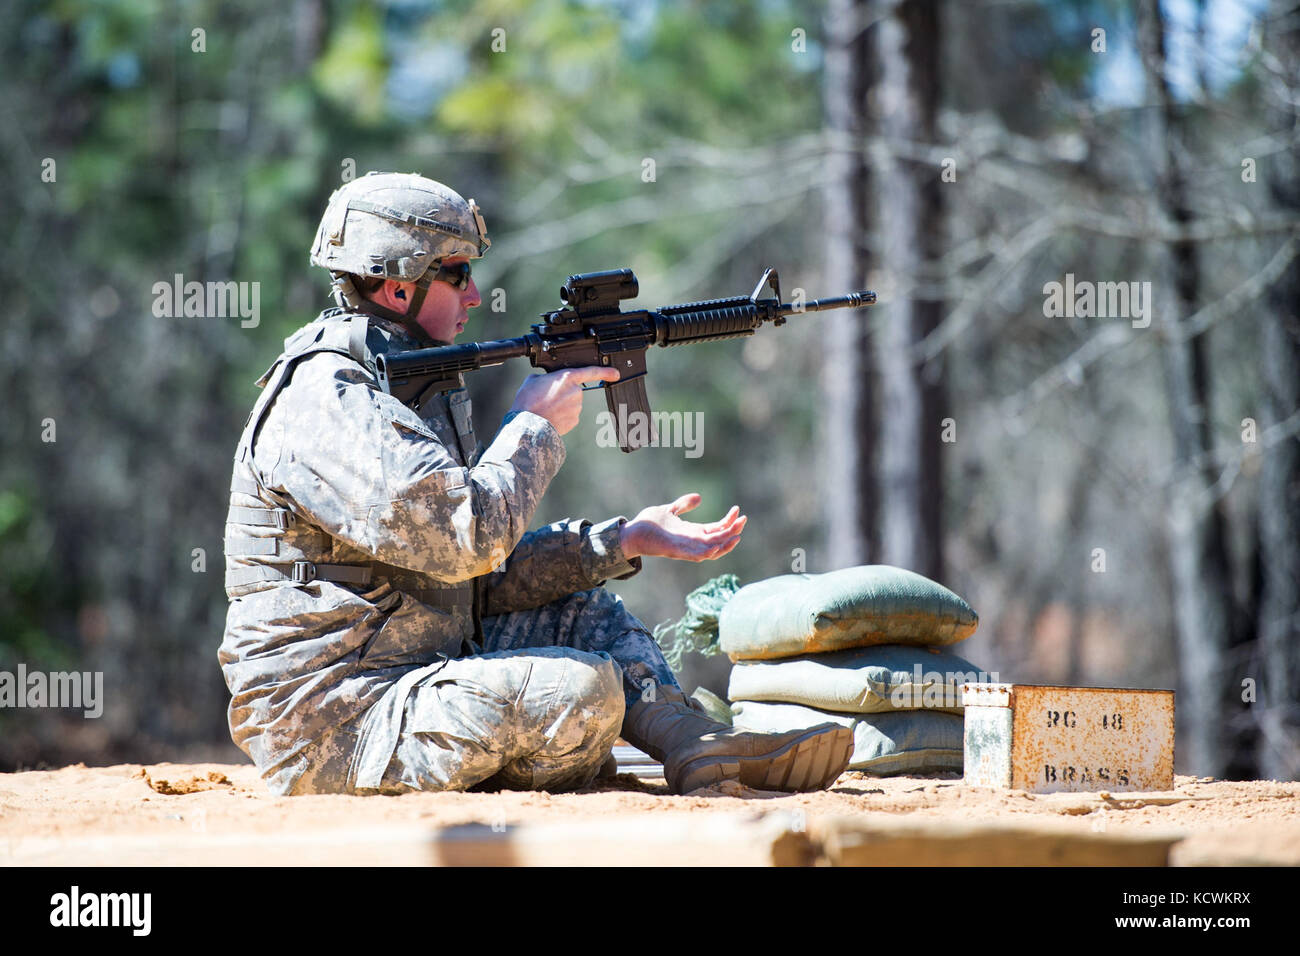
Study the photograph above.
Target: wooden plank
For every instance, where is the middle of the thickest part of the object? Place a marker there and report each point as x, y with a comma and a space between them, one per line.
853, 841
638, 839
392, 845
643, 839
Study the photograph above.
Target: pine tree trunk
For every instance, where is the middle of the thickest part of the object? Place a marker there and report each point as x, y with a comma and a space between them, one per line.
1200, 569
909, 205
848, 407
1279, 490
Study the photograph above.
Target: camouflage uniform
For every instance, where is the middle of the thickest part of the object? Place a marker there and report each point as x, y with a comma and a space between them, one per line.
378, 638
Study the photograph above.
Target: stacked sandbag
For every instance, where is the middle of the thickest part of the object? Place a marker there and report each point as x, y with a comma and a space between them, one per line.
860, 647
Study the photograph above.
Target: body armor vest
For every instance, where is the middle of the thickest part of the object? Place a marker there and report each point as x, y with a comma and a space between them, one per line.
268, 544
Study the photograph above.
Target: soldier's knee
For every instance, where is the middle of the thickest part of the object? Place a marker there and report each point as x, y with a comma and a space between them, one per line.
596, 681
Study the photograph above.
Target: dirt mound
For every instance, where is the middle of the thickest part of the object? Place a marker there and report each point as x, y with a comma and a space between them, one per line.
190, 784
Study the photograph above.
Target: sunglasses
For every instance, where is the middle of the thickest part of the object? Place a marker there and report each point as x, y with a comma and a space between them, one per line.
457, 275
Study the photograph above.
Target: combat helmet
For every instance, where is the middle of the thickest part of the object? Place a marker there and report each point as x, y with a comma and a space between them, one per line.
394, 226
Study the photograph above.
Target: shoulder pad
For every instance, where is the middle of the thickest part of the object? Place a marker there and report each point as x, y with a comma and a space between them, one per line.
333, 331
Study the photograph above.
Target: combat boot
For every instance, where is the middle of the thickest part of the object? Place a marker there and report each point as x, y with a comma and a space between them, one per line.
698, 751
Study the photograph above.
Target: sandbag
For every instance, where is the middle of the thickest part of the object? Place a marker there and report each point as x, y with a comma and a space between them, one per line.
854, 607
862, 680
901, 741
713, 705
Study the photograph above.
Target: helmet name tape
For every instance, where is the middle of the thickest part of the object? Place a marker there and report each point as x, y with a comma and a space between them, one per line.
410, 218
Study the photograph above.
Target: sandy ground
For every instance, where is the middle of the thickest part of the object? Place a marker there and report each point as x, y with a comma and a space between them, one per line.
175, 814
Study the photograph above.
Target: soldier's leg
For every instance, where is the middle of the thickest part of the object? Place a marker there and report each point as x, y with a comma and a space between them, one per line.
595, 621
695, 750
538, 719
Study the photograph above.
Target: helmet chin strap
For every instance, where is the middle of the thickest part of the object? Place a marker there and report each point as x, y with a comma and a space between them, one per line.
346, 294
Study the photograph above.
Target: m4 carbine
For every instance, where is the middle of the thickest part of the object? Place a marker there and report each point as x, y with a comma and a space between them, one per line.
591, 330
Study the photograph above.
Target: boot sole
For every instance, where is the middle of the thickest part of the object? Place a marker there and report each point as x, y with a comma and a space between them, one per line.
811, 761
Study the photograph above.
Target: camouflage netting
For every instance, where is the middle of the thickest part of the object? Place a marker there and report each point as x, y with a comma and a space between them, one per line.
697, 630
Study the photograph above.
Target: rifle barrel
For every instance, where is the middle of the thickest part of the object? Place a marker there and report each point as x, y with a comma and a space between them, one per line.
853, 300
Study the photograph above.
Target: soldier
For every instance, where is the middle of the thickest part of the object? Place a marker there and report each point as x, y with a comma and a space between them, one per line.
391, 625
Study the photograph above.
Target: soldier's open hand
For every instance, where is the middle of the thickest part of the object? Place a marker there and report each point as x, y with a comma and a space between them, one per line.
557, 396
660, 531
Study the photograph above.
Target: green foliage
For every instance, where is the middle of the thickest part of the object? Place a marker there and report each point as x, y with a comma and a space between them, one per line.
350, 72
29, 591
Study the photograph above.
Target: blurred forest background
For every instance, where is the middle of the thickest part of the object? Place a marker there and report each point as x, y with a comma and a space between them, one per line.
1121, 504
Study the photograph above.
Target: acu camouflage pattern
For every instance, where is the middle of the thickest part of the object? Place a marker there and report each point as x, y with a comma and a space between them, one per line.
378, 637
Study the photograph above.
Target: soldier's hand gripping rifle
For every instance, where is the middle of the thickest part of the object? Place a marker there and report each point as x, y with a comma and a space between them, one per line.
591, 330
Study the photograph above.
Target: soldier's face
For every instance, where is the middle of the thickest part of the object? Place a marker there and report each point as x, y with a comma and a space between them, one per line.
446, 308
